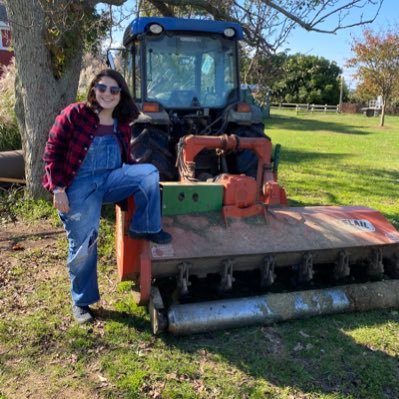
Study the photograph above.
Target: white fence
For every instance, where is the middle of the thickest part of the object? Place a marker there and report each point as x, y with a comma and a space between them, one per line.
307, 107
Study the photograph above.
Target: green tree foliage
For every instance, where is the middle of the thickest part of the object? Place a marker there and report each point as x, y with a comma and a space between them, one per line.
262, 69
376, 57
307, 79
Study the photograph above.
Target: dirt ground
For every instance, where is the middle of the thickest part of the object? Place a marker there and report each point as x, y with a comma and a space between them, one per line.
19, 238
27, 234
31, 256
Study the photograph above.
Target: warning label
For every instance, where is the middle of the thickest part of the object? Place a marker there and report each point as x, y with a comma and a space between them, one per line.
162, 251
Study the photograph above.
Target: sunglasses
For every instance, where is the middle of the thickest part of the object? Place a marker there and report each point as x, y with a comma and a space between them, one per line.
102, 88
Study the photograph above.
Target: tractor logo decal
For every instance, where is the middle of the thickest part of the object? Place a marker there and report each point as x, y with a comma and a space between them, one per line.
359, 224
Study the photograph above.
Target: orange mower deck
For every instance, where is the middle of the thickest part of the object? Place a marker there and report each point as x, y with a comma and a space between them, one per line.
255, 231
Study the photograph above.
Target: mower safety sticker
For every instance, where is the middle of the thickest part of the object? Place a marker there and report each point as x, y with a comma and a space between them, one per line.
162, 251
359, 224
393, 236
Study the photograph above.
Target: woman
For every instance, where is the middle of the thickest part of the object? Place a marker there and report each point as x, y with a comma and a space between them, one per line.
87, 163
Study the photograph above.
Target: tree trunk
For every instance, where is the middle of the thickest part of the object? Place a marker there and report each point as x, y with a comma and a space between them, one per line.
382, 118
39, 96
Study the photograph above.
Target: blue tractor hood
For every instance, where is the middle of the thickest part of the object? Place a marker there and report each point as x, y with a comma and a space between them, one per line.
140, 26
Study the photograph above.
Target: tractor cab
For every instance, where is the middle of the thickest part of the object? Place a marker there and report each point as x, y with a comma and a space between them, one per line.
182, 65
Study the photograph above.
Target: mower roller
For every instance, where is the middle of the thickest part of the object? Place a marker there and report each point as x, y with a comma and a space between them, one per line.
240, 254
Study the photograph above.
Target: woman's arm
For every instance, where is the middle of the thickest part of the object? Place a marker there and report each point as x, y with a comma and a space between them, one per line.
56, 149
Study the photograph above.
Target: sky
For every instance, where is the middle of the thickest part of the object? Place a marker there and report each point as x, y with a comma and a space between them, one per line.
338, 47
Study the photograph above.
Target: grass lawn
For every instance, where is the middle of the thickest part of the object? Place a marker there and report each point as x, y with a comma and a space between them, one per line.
326, 159
331, 159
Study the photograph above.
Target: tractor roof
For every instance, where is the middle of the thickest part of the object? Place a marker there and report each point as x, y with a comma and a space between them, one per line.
140, 25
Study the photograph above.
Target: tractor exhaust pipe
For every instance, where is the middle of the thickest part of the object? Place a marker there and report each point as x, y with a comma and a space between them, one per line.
271, 308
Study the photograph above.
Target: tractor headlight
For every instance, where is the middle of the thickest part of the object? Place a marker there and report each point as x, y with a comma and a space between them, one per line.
156, 29
229, 32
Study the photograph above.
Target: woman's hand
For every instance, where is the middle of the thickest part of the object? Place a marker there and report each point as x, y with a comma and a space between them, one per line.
60, 201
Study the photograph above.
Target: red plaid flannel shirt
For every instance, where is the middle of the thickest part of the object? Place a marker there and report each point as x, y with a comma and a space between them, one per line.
68, 142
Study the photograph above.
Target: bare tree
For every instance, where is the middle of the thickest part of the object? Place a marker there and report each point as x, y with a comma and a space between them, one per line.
50, 37
267, 23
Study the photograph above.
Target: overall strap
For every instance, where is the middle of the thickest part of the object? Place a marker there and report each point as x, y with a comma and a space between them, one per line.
118, 135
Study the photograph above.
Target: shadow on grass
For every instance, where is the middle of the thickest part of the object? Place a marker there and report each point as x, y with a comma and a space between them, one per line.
290, 156
315, 356
333, 198
23, 237
294, 123
387, 176
128, 318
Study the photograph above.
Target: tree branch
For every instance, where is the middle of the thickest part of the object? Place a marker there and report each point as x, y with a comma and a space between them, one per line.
267, 23
311, 26
162, 8
93, 3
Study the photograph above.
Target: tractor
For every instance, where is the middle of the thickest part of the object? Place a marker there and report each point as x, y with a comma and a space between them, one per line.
240, 254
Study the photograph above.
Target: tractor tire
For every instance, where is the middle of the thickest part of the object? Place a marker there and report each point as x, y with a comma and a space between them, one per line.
246, 161
151, 145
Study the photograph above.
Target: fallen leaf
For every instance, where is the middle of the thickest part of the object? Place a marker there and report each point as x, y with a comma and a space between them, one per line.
73, 358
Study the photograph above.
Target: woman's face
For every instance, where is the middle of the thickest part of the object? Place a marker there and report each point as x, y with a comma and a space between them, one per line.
107, 93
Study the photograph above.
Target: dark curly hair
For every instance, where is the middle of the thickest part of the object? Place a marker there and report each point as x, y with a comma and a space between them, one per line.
126, 110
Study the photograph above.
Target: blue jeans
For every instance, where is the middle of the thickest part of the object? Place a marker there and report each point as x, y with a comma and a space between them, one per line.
102, 178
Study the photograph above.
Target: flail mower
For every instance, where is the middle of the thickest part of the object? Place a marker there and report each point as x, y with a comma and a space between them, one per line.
240, 255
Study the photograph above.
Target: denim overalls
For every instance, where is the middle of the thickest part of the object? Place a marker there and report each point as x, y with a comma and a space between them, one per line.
102, 178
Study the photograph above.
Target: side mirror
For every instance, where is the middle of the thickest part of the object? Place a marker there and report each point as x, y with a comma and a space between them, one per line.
110, 59
115, 56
